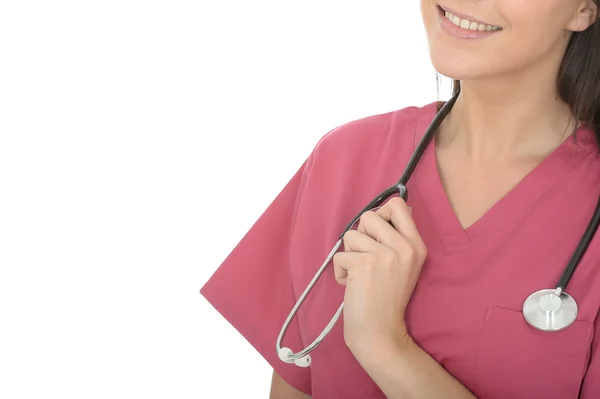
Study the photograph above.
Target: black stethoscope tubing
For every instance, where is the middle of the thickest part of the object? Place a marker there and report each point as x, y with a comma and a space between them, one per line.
543, 319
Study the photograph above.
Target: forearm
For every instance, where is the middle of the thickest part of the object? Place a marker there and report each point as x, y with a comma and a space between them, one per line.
280, 389
405, 371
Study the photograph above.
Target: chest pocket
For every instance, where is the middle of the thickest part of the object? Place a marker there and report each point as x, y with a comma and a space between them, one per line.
515, 361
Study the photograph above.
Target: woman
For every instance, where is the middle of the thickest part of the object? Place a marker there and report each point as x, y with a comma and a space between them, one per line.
433, 289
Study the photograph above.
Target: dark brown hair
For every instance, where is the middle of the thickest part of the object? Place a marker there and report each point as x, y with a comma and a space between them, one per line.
578, 78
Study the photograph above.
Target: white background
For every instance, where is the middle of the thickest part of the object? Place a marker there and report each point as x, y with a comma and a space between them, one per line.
139, 140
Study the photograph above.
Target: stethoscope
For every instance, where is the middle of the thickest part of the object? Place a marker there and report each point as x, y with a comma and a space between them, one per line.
544, 310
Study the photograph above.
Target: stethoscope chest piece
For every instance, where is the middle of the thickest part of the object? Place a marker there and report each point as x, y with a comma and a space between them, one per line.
550, 310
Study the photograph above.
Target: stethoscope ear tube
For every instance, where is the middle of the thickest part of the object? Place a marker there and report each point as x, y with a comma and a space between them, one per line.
546, 310
580, 250
302, 358
380, 199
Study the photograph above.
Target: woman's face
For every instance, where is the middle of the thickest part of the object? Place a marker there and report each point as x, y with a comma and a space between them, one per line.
521, 34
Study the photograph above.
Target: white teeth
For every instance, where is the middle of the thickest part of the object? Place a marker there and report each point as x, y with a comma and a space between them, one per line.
466, 24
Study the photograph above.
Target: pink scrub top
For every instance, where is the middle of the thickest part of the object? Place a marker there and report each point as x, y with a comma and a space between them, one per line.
466, 310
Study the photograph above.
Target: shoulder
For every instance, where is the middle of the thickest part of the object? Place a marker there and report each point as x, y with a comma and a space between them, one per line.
357, 159
372, 137
371, 128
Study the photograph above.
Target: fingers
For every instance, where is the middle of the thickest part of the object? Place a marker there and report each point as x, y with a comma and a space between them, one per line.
358, 245
372, 233
374, 225
399, 214
392, 225
345, 262
387, 235
341, 264
356, 241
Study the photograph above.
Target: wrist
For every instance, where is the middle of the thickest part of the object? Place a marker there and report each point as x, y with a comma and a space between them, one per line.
373, 350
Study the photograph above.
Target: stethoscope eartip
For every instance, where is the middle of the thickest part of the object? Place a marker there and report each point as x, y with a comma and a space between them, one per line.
304, 361
284, 355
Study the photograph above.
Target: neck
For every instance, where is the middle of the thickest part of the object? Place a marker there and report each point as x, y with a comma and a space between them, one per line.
506, 118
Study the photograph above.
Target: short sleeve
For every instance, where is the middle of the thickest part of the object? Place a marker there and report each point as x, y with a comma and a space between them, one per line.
590, 388
253, 289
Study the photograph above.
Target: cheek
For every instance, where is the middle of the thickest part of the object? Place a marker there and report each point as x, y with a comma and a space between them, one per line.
535, 31
535, 35
428, 13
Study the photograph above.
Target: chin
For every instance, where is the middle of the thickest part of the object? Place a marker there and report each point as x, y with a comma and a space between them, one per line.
456, 72
458, 66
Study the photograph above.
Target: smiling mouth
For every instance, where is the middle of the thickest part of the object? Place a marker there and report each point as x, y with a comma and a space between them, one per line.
467, 24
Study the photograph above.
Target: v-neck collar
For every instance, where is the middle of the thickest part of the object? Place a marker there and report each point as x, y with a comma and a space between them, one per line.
540, 179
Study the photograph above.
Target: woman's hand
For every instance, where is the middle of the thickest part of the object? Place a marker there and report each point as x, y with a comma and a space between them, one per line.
379, 267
